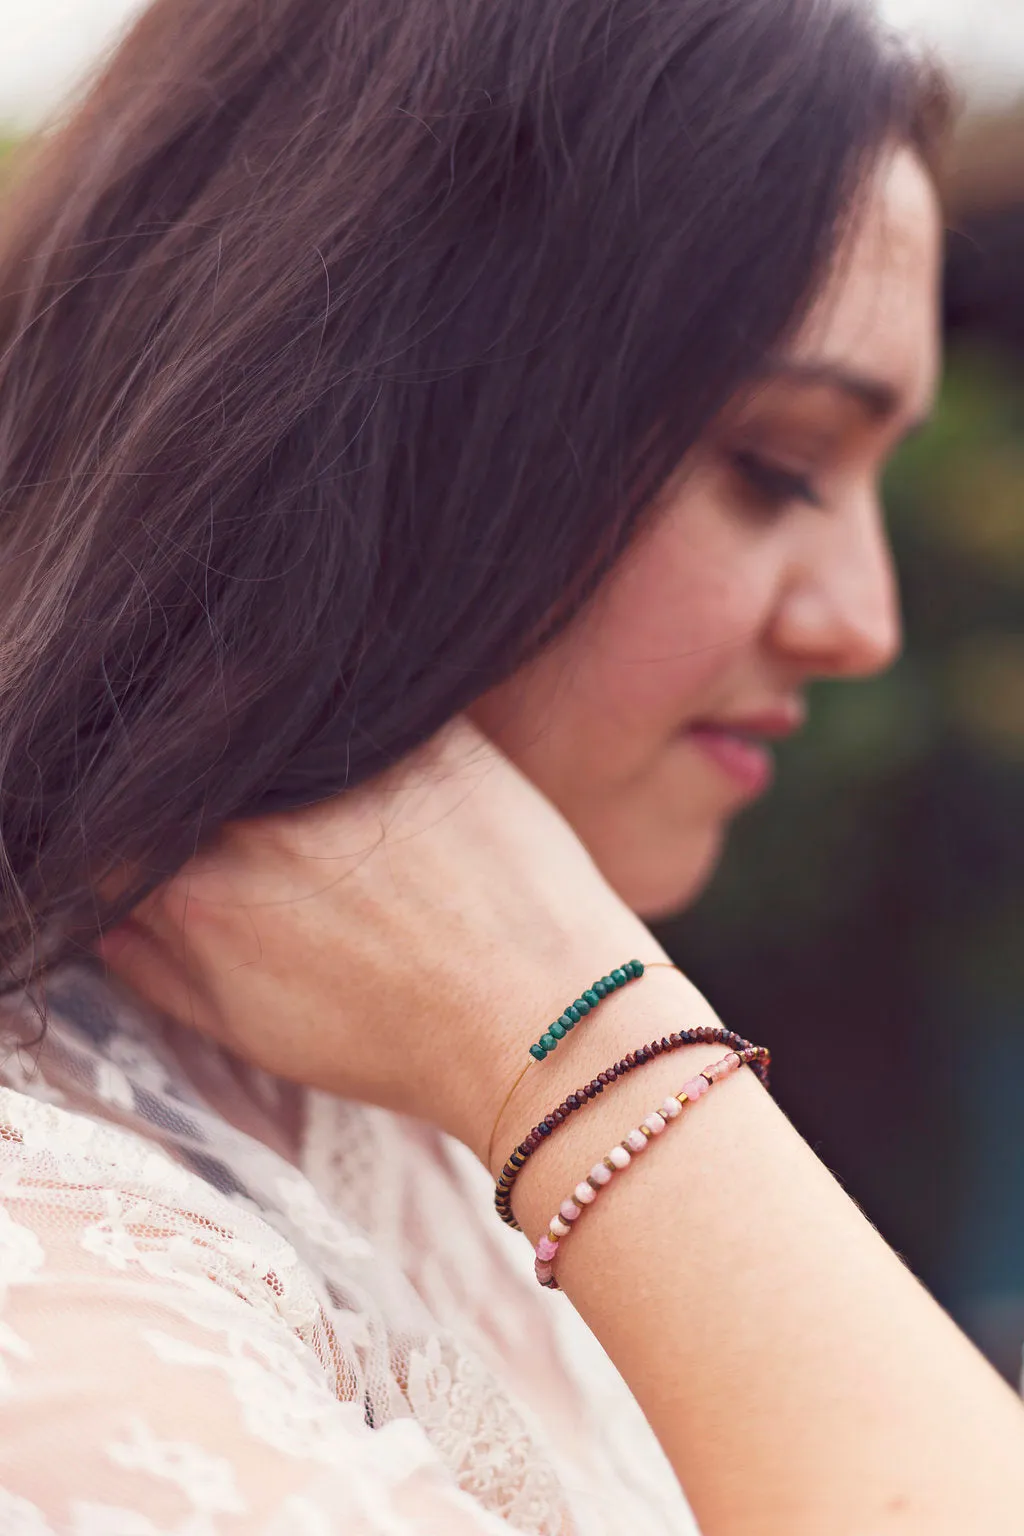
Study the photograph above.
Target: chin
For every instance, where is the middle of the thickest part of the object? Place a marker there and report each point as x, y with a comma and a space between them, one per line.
668, 879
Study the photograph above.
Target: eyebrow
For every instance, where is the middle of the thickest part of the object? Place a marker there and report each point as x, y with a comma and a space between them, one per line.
877, 399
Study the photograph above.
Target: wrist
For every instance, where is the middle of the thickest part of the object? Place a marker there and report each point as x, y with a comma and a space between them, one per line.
524, 1090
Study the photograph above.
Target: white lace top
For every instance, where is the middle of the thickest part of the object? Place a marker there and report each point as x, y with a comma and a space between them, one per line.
228, 1306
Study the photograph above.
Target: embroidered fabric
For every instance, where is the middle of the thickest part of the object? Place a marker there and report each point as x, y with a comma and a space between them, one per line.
229, 1306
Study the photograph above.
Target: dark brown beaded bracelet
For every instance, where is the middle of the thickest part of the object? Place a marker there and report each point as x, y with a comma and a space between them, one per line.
585, 1095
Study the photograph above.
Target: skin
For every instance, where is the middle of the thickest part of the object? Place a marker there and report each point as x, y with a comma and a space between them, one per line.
404, 943
741, 593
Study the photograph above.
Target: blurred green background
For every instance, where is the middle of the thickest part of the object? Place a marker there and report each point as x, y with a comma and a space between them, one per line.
868, 920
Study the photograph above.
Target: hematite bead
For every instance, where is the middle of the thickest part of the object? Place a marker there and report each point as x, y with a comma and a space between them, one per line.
656, 1047
665, 1043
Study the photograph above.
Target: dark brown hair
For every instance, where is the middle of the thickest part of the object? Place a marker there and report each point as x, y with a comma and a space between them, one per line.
343, 343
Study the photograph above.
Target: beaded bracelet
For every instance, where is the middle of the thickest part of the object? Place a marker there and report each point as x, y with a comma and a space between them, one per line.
620, 1156
583, 1096
567, 1021
582, 1005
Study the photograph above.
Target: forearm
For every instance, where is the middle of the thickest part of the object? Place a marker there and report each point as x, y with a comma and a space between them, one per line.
799, 1378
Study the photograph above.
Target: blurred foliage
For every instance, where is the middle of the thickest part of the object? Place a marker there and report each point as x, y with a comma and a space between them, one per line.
877, 899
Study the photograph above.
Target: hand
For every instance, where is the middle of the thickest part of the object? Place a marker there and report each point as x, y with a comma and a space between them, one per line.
403, 944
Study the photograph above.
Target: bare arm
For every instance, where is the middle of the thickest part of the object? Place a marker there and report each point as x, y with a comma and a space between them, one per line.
798, 1376
403, 946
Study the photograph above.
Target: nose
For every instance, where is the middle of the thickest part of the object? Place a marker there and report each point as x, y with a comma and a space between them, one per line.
838, 614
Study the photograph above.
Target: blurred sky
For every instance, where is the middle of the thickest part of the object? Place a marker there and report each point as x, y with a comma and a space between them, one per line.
46, 44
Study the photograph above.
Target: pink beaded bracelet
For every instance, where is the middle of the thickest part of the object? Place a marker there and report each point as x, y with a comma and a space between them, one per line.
620, 1156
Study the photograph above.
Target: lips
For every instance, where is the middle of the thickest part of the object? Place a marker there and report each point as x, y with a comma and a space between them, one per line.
739, 746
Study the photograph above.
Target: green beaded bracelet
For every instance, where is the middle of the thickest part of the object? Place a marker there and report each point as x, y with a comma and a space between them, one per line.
583, 1005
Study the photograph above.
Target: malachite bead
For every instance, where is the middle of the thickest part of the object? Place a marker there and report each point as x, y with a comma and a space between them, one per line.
620, 977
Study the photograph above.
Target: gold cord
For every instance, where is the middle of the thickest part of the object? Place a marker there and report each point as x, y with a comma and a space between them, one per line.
664, 965
501, 1111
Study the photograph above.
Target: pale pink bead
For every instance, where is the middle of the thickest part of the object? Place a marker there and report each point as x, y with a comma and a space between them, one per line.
695, 1087
544, 1272
733, 1060
599, 1174
636, 1141
568, 1210
546, 1250
655, 1124
583, 1194
620, 1157
671, 1108
559, 1227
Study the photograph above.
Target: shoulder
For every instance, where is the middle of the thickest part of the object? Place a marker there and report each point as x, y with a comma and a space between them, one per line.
174, 1349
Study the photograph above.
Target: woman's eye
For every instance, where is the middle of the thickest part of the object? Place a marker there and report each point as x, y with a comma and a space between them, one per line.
774, 486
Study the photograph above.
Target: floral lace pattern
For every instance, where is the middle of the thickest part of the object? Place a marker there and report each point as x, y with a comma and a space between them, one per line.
228, 1306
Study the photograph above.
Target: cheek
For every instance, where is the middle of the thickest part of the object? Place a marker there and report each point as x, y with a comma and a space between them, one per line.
662, 637
657, 649
597, 721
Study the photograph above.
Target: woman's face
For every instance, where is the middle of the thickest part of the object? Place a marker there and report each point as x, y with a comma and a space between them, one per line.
649, 722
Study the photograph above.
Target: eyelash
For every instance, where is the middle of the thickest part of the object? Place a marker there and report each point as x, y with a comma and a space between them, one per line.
774, 486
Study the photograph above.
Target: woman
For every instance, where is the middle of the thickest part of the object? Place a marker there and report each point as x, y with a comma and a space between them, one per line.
439, 445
